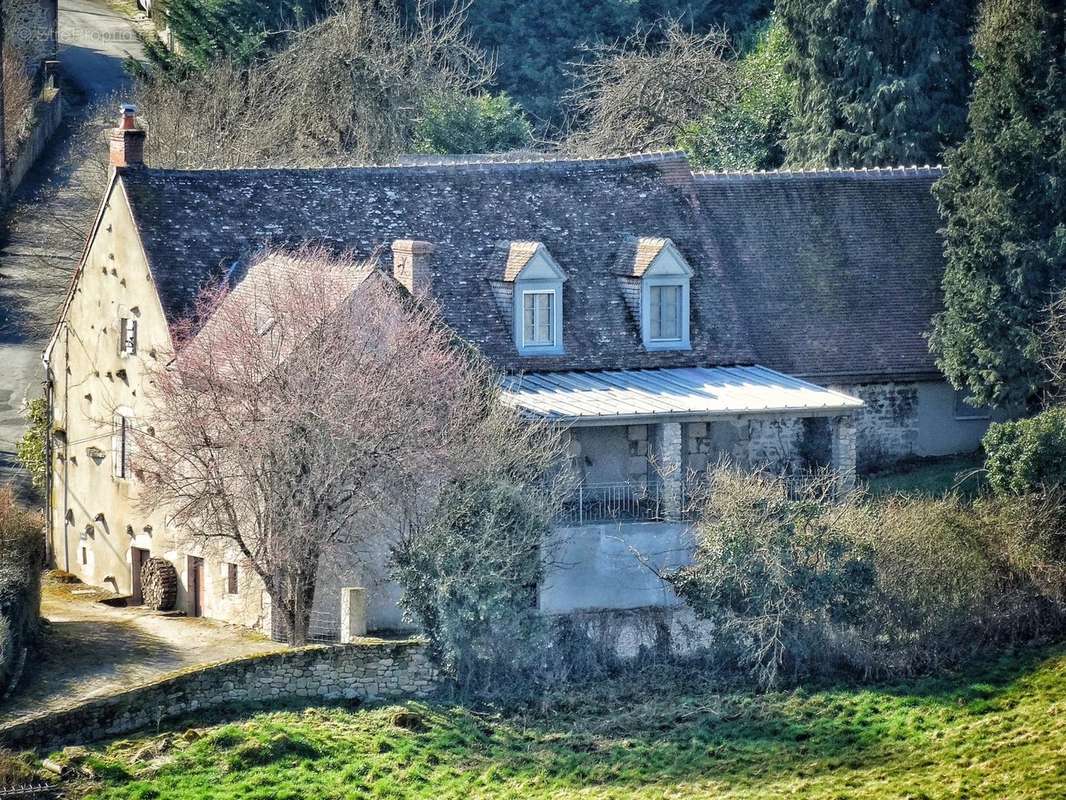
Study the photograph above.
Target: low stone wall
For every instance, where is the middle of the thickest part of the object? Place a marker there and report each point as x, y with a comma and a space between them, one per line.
371, 670
47, 115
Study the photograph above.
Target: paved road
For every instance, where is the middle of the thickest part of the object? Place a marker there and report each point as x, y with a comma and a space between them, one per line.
42, 232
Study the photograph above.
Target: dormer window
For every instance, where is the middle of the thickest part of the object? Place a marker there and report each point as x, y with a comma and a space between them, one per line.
538, 318
665, 311
654, 278
535, 283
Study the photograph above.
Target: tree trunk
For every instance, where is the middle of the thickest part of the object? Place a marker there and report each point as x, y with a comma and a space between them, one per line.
293, 594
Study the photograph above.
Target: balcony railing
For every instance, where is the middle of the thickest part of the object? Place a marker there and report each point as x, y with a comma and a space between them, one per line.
624, 502
648, 501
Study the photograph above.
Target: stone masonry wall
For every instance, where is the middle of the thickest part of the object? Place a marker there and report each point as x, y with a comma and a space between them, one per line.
30, 27
366, 671
887, 428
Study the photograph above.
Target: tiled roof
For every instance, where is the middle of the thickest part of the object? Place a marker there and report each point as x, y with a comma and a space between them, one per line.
837, 271
637, 253
194, 224
518, 255
823, 274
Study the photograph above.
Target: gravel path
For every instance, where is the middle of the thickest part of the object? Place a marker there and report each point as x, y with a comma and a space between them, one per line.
91, 649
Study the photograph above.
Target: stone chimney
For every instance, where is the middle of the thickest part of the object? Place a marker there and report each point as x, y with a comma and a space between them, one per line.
127, 140
411, 265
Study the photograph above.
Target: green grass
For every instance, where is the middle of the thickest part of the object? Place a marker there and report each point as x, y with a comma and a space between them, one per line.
931, 477
995, 733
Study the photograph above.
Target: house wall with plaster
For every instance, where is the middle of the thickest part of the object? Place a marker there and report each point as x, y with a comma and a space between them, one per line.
95, 517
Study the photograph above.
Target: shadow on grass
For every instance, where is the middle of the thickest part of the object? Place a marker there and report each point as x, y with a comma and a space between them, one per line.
645, 731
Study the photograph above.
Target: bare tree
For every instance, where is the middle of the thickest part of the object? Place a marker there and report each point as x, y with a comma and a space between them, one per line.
301, 410
639, 94
349, 89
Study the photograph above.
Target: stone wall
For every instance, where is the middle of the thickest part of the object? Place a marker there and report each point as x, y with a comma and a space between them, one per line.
30, 27
373, 670
887, 428
47, 114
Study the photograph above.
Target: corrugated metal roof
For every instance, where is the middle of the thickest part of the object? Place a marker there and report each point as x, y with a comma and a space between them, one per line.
704, 391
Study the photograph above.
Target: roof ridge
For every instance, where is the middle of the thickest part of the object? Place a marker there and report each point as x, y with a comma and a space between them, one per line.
655, 156
858, 172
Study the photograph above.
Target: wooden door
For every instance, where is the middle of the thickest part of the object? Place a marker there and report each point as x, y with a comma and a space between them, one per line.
138, 556
196, 587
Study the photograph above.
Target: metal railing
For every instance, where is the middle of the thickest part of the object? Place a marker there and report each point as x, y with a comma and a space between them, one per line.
609, 502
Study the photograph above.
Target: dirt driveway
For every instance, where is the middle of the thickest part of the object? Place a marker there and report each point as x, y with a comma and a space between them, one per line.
90, 648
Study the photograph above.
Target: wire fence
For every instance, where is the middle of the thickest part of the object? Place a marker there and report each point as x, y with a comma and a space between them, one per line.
40, 791
324, 627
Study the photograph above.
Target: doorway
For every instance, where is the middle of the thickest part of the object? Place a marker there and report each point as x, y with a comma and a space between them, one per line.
196, 586
138, 555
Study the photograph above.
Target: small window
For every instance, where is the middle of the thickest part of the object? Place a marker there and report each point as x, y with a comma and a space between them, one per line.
963, 409
85, 556
231, 579
665, 313
122, 445
538, 318
128, 336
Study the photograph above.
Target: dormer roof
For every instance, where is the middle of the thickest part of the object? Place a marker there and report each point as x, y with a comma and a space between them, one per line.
532, 259
639, 255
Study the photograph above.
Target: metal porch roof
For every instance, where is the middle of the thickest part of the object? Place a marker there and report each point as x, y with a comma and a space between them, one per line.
686, 392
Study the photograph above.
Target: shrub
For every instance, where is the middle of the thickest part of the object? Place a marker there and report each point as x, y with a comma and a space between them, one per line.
484, 123
21, 561
779, 575
875, 587
18, 100
469, 577
1027, 454
32, 447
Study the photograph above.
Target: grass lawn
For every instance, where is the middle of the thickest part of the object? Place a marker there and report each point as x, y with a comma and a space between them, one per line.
996, 733
931, 477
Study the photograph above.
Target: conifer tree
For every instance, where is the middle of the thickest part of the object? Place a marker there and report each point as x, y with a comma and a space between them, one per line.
878, 83
1004, 202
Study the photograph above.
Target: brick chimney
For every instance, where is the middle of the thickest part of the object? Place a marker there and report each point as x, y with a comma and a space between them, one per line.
411, 265
127, 140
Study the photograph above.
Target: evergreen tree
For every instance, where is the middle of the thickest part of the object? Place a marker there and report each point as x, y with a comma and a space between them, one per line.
878, 83
1004, 201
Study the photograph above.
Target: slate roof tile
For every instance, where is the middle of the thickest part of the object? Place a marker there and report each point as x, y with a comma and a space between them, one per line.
823, 273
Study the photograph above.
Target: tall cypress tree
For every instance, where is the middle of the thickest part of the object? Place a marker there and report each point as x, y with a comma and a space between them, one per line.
879, 82
1004, 202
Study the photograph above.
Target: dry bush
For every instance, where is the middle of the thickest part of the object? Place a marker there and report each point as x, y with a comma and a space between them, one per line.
21, 562
18, 101
641, 94
350, 89
875, 587
954, 576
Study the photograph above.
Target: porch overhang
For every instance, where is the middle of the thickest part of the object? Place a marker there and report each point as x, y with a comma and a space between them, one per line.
610, 397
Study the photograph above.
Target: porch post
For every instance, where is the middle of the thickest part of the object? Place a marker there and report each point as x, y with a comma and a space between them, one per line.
843, 455
669, 453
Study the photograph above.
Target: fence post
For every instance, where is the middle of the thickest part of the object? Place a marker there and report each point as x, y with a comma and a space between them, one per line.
580, 505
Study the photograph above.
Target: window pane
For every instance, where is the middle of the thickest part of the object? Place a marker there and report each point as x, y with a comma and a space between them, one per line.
528, 315
665, 316
656, 314
539, 312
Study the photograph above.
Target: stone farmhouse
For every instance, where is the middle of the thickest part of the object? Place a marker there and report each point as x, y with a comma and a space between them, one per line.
665, 317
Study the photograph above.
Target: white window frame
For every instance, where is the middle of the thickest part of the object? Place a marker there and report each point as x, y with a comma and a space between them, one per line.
681, 343
537, 287
530, 296
122, 444
127, 333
